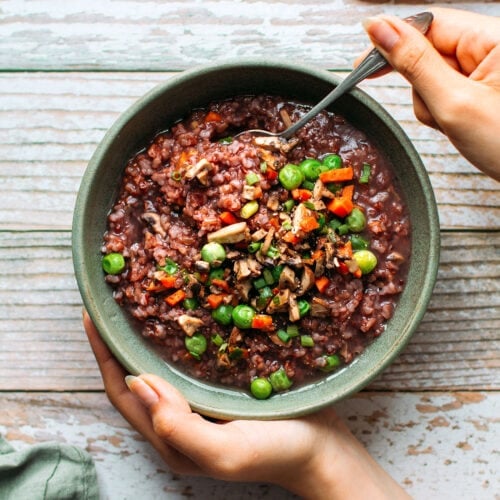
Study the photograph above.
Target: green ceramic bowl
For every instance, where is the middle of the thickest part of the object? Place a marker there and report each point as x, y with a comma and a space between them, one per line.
158, 110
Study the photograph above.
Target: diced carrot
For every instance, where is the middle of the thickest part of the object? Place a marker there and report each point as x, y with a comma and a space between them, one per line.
212, 116
321, 283
169, 281
337, 175
228, 218
222, 284
345, 251
343, 269
275, 222
215, 300
301, 194
271, 174
290, 237
175, 298
340, 206
357, 273
348, 191
309, 224
262, 322
317, 254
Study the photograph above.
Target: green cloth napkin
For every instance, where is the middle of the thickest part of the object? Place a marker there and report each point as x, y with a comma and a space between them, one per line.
49, 471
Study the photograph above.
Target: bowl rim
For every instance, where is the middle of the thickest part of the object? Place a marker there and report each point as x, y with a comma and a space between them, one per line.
215, 401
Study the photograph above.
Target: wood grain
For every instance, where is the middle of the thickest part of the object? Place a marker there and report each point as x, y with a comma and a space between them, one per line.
51, 123
423, 440
171, 35
43, 347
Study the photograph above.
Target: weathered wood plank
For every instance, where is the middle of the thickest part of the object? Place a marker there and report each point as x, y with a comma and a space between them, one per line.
51, 123
431, 443
43, 347
159, 35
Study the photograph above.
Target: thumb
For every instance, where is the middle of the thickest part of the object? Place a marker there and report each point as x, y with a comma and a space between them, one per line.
411, 54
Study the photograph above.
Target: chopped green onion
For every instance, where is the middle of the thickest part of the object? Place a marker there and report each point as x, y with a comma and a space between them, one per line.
273, 252
332, 362
308, 185
217, 339
252, 178
343, 229
304, 307
254, 246
310, 205
263, 167
306, 341
283, 336
358, 242
249, 209
170, 267
268, 276
266, 292
236, 353
365, 174
176, 175
287, 226
277, 270
259, 283
292, 330
190, 304
288, 205
226, 140
279, 380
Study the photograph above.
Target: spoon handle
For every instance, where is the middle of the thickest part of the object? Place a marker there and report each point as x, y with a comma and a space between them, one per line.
372, 63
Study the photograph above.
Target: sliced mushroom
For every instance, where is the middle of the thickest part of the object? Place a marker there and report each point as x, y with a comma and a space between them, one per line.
233, 233
279, 303
273, 203
195, 170
202, 266
258, 235
255, 267
307, 280
276, 143
319, 307
189, 324
319, 268
267, 241
154, 222
287, 279
249, 192
242, 269
293, 308
243, 288
329, 254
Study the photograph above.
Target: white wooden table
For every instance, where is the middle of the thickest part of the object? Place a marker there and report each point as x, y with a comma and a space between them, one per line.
68, 69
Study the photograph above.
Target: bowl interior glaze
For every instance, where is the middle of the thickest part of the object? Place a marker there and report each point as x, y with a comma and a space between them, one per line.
157, 111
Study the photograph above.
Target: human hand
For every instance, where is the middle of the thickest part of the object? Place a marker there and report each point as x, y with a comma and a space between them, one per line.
314, 456
455, 75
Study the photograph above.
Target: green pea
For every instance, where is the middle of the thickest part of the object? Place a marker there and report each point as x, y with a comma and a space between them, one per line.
366, 260
332, 161
213, 253
196, 344
113, 263
311, 169
243, 316
332, 363
261, 388
291, 176
358, 242
279, 380
223, 314
356, 220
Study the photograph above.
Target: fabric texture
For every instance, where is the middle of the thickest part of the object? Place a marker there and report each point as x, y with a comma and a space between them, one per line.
47, 471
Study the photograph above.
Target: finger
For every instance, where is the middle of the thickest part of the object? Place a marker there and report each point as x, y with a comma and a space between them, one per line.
127, 404
421, 111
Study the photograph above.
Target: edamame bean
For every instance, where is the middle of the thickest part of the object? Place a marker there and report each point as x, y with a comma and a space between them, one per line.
290, 176
366, 260
356, 220
213, 253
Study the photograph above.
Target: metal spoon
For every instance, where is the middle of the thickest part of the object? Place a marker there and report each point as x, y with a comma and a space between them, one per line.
372, 63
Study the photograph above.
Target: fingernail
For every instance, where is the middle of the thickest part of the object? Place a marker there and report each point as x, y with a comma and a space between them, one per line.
142, 390
381, 32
